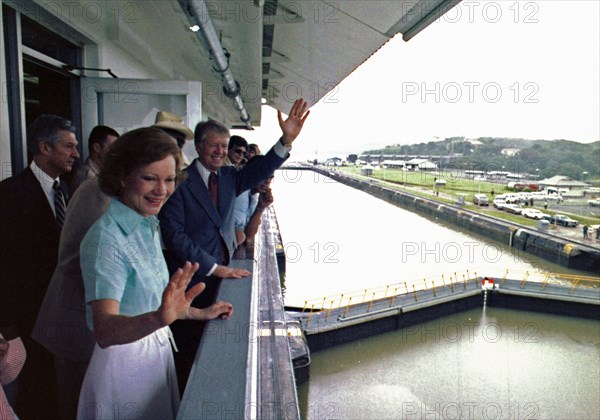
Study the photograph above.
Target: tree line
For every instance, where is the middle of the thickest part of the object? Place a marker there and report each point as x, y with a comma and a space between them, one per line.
544, 158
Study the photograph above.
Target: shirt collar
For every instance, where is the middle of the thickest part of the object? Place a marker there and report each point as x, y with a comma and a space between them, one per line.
204, 173
93, 166
45, 180
128, 219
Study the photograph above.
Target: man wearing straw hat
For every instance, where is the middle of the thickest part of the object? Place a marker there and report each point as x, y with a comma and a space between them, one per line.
173, 125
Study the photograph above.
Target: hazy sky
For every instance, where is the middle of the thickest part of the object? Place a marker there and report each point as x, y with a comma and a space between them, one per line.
526, 69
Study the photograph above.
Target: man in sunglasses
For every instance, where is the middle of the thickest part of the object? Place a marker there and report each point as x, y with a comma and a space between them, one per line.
236, 152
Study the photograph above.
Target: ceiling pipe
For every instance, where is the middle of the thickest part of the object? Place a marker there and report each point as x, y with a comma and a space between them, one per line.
220, 57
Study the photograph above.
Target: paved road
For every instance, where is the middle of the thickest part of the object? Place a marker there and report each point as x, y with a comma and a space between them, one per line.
570, 206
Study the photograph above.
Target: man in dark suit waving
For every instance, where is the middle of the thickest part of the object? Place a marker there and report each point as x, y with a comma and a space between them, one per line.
197, 223
32, 206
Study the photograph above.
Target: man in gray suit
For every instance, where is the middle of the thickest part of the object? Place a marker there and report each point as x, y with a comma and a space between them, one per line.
61, 323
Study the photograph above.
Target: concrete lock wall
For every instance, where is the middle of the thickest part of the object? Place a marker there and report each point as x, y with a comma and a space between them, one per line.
537, 243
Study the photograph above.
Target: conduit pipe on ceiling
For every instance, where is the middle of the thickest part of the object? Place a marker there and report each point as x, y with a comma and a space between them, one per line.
210, 39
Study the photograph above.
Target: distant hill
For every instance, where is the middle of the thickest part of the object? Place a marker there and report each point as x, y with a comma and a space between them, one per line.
544, 157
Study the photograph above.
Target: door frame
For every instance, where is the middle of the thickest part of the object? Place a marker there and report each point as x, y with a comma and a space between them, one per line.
92, 89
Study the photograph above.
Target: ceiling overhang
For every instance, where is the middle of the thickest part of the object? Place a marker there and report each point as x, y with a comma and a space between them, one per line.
310, 47
280, 50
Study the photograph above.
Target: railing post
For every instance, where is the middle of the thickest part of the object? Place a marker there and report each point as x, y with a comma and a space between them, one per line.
504, 278
310, 313
433, 286
348, 306
524, 279
393, 297
545, 282
574, 285
329, 311
371, 303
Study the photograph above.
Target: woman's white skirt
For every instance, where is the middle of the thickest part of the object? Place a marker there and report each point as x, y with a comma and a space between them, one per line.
131, 381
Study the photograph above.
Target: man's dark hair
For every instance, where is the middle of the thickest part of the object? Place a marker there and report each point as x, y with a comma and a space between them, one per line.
46, 128
254, 147
99, 135
237, 141
203, 128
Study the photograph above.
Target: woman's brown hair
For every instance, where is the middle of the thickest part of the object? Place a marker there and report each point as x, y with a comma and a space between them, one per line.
134, 149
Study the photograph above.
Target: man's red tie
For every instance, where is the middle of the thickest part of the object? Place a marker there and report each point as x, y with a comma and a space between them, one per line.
212, 189
214, 196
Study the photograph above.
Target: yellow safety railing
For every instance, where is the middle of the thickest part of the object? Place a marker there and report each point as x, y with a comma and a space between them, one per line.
346, 300
391, 291
575, 280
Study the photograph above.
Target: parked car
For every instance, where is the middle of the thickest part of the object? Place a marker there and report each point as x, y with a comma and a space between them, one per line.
553, 197
513, 208
561, 219
594, 203
498, 203
481, 200
533, 214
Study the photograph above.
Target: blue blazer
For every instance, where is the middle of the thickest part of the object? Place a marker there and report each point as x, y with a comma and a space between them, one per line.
192, 229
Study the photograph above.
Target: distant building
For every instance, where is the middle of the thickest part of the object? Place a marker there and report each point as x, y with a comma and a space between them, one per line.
510, 151
366, 170
394, 163
421, 165
335, 161
570, 187
474, 142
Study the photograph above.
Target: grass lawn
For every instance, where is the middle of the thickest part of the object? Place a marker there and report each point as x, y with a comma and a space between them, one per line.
425, 179
421, 184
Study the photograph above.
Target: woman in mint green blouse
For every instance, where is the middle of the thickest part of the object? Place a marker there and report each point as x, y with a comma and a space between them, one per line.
130, 299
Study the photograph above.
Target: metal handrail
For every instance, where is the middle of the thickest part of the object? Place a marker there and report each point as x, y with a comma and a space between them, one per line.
357, 297
392, 291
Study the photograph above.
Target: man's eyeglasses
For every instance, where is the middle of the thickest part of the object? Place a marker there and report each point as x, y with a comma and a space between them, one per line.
239, 151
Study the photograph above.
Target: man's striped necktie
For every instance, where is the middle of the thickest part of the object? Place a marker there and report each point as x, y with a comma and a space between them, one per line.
60, 206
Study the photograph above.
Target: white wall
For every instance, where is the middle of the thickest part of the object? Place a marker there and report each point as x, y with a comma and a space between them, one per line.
113, 35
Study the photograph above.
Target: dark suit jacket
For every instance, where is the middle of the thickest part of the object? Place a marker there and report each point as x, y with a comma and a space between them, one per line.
192, 229
29, 235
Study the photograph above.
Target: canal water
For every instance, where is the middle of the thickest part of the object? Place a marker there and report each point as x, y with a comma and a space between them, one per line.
480, 364
485, 363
